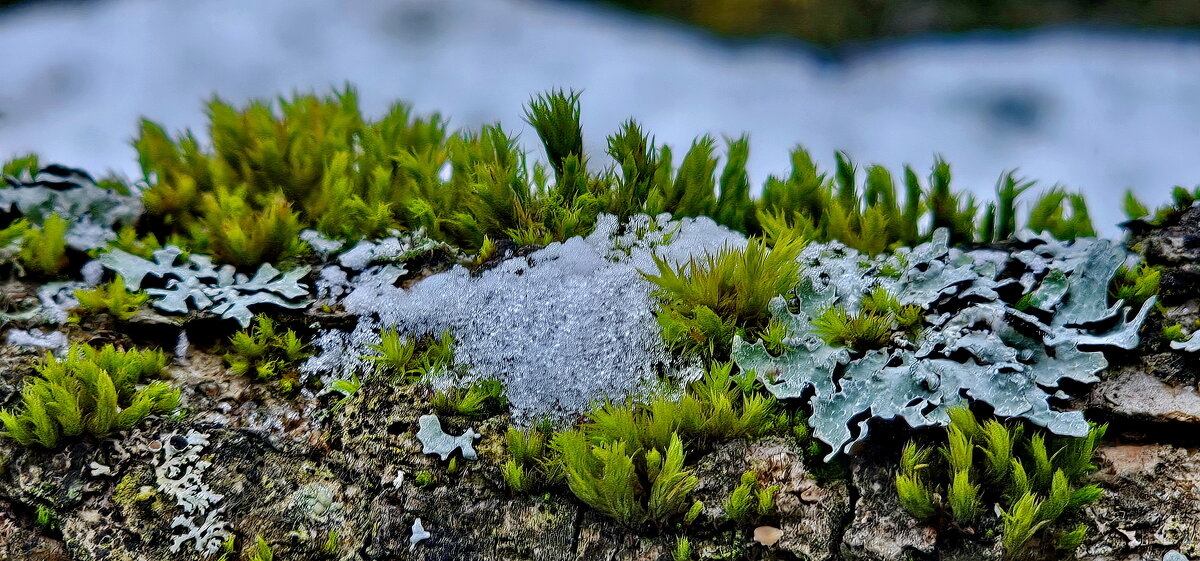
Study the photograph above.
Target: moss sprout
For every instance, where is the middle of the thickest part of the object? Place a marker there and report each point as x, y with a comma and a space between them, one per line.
410, 358
262, 551
425, 479
1033, 487
682, 551
1135, 285
112, 298
97, 391
44, 249
266, 353
472, 401
750, 499
704, 302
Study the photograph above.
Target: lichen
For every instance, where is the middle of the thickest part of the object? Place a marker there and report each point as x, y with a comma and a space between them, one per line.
74, 195
990, 334
1192, 345
179, 476
435, 441
565, 326
221, 291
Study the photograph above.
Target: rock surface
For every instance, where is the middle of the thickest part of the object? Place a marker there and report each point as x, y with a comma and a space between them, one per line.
318, 481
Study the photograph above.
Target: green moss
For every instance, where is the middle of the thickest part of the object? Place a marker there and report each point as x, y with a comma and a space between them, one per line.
1031, 500
750, 500
1174, 333
315, 162
46, 518
409, 358
267, 354
44, 248
474, 401
705, 301
261, 551
132, 491
1181, 200
22, 165
112, 298
92, 390
628, 461
1135, 285
425, 479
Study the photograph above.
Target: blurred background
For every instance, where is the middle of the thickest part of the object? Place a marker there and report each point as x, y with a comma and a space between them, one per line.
1099, 96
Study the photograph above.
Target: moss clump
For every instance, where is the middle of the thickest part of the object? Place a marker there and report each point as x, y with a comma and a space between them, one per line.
750, 499
94, 390
706, 301
267, 354
1135, 285
44, 248
1035, 484
1181, 200
316, 162
473, 401
628, 461
113, 299
409, 358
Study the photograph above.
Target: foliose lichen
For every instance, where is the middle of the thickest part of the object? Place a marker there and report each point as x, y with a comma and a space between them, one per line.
179, 474
1000, 328
92, 211
1192, 345
435, 441
221, 291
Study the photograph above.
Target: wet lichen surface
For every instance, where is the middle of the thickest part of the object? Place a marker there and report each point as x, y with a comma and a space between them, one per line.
455, 356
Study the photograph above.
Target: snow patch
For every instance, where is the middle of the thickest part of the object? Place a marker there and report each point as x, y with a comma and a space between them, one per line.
566, 326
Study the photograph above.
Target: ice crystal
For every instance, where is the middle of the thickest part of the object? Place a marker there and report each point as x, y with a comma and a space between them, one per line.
1005, 330
217, 290
567, 325
435, 441
179, 474
91, 210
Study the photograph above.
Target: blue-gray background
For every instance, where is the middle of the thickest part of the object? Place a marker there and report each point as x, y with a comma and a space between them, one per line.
1096, 111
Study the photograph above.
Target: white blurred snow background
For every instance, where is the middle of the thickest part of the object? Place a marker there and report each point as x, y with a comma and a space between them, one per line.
1097, 112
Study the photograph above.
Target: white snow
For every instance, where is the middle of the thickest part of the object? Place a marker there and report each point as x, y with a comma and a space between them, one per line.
570, 324
1097, 112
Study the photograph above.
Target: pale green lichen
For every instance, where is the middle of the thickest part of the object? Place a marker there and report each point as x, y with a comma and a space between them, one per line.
435, 441
973, 343
220, 291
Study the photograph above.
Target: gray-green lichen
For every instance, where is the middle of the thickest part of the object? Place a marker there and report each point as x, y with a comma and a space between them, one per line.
221, 291
435, 441
1005, 329
1192, 345
91, 210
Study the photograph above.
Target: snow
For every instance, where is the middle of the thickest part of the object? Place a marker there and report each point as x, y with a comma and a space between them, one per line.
1100, 112
570, 324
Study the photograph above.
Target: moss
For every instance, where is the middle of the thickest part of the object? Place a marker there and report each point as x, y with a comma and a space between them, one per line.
1033, 484
94, 390
112, 298
267, 354
133, 491
44, 248
705, 301
315, 162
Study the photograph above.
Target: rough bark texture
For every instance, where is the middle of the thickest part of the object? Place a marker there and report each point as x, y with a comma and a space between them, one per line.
295, 473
